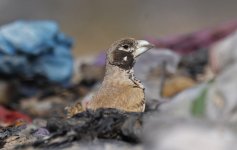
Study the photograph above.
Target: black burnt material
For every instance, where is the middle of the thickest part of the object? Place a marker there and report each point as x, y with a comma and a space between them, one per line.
9, 131
87, 126
195, 62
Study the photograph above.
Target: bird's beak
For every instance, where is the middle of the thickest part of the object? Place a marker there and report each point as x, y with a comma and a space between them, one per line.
142, 47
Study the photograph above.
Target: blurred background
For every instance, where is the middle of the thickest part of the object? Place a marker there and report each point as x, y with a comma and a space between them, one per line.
94, 25
189, 77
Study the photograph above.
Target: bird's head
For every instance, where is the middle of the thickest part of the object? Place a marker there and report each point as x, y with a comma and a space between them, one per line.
124, 52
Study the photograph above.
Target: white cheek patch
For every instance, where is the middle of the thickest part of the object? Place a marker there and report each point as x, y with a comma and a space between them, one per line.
121, 48
125, 58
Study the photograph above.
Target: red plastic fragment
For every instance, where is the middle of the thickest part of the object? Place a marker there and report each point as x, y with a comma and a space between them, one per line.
9, 117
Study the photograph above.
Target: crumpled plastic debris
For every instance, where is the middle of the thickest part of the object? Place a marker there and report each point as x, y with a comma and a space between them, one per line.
102, 145
149, 69
165, 132
41, 132
195, 63
13, 129
221, 96
19, 133
224, 53
35, 48
181, 104
44, 107
175, 85
155, 58
217, 99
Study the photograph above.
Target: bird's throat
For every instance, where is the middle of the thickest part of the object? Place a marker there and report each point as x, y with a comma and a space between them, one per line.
117, 75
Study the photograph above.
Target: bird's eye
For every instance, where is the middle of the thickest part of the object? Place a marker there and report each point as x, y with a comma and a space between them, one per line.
125, 46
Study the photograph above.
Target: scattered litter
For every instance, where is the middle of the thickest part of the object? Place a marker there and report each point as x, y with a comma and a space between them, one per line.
189, 84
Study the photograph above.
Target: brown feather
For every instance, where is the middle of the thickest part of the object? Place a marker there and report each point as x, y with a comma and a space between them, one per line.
120, 94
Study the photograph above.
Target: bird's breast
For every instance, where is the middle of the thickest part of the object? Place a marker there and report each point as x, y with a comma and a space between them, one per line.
125, 97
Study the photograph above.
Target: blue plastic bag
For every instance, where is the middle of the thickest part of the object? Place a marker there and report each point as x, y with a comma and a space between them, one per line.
35, 48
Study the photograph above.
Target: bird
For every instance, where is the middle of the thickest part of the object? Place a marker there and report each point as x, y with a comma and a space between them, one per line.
119, 89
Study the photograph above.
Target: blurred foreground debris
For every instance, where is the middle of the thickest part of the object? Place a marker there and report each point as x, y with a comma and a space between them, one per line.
83, 127
166, 132
222, 97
